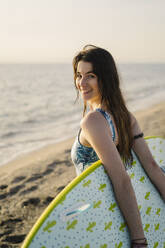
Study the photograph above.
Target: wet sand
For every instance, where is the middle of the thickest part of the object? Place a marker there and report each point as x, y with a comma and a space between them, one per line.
29, 183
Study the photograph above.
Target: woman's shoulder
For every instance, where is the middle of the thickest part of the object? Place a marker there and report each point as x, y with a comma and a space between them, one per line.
92, 118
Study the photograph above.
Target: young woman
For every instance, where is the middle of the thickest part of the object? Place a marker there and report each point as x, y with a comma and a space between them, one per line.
109, 132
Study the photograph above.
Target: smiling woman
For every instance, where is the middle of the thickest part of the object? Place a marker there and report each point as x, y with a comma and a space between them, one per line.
87, 83
110, 133
102, 90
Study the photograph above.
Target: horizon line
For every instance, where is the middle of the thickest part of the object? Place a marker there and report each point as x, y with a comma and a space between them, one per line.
66, 62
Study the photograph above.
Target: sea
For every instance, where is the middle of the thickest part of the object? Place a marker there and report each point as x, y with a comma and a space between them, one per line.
37, 102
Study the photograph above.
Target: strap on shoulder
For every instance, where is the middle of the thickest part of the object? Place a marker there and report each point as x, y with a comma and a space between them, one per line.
108, 118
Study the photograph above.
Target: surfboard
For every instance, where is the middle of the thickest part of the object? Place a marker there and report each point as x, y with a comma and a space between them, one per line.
86, 215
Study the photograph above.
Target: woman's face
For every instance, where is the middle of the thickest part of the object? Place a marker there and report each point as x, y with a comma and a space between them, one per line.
87, 83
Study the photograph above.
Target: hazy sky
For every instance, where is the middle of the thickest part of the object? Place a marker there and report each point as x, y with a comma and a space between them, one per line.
41, 31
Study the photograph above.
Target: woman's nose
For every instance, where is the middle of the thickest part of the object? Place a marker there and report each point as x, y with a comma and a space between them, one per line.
82, 81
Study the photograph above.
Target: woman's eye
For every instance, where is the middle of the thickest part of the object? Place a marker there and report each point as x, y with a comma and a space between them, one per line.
90, 76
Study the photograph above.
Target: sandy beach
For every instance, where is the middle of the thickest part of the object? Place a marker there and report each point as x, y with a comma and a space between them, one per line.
29, 183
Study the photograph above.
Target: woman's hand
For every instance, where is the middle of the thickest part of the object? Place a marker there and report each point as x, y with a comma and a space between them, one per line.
139, 246
139, 243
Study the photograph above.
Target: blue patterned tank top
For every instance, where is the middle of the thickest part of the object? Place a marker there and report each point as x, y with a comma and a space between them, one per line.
83, 156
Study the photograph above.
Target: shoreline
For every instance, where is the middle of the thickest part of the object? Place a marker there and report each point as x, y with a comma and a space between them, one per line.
51, 150
46, 154
30, 182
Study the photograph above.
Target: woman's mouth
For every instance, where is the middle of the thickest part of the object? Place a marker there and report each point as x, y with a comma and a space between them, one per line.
86, 92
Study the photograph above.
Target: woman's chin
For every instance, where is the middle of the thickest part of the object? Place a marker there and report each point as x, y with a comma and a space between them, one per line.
86, 96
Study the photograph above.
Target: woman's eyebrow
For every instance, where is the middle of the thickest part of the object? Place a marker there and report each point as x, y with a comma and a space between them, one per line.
86, 72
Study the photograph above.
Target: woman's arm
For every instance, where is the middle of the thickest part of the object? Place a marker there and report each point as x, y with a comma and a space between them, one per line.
98, 134
142, 151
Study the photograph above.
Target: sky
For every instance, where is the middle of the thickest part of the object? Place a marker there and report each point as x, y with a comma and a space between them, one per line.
49, 31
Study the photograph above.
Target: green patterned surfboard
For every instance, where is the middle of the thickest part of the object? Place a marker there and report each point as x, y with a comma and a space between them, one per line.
85, 214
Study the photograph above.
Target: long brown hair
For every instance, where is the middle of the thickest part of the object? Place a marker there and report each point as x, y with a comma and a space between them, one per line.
109, 86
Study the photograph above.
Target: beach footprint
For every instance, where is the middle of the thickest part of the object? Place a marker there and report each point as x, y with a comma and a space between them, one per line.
16, 189
18, 179
31, 201
34, 177
29, 190
3, 186
4, 194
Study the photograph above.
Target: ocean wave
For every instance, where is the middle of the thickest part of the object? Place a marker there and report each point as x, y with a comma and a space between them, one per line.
9, 134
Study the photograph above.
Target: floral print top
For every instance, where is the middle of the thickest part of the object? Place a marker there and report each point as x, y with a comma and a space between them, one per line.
83, 156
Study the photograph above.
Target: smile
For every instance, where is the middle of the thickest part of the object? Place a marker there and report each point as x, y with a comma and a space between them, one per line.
86, 92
